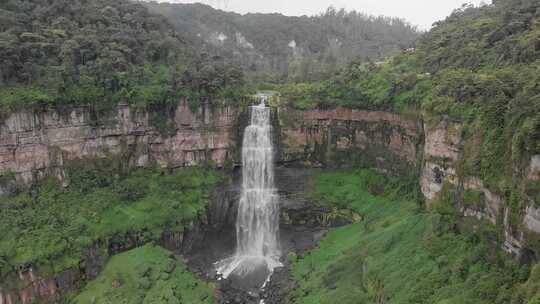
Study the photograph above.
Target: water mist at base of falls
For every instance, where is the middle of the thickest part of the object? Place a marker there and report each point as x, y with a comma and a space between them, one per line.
257, 226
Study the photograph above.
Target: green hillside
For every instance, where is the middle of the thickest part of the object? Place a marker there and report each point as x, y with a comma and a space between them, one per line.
397, 253
148, 274
101, 52
278, 48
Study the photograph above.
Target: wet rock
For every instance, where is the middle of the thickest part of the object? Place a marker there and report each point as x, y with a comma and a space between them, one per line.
67, 281
250, 277
277, 290
8, 187
223, 206
193, 235
94, 261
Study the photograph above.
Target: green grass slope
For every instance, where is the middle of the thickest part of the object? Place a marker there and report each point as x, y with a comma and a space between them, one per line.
148, 274
397, 254
51, 226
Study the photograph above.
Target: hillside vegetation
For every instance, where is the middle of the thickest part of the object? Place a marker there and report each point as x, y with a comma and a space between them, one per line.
104, 52
148, 274
101, 52
398, 254
277, 48
50, 227
480, 66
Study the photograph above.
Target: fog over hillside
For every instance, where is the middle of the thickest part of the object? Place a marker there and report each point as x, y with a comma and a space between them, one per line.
422, 13
276, 47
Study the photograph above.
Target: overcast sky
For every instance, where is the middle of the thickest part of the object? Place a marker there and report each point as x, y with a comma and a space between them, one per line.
419, 12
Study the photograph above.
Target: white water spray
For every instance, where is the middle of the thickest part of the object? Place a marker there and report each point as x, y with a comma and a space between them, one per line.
257, 225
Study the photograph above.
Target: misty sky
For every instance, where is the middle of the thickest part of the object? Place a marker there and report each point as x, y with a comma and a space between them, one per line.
419, 12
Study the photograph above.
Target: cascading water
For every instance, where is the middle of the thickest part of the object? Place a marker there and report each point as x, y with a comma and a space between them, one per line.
257, 225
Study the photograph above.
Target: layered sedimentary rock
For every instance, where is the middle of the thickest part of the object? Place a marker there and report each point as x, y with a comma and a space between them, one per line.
34, 144
532, 212
38, 143
443, 153
344, 138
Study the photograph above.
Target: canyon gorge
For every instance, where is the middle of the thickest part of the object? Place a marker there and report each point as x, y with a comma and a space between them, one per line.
40, 144
171, 153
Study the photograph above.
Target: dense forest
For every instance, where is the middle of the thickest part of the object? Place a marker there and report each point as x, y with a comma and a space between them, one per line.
105, 51
277, 48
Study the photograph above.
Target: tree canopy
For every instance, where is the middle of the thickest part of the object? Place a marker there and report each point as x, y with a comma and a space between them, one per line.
278, 48
83, 51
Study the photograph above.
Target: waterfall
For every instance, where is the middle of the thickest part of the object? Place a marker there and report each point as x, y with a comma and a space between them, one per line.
257, 224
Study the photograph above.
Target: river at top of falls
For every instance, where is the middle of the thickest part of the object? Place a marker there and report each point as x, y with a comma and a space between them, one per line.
257, 225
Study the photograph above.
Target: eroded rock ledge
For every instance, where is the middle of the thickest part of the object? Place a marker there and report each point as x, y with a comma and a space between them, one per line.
443, 152
342, 137
35, 144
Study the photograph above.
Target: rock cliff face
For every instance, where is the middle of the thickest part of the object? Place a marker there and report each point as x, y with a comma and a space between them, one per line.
35, 144
36, 288
344, 138
38, 144
401, 145
443, 152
